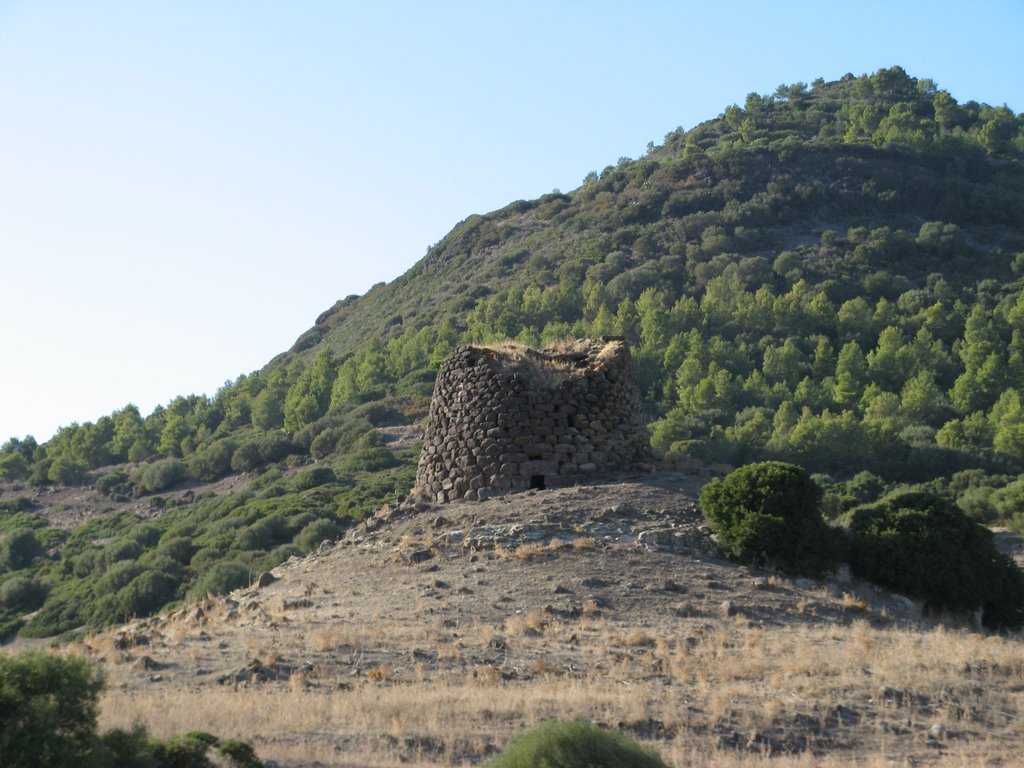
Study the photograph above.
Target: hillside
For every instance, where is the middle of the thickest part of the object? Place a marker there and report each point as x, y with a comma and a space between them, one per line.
430, 634
831, 274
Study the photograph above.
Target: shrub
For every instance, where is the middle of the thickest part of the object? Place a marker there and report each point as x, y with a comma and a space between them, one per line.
161, 474
769, 513
573, 745
146, 534
178, 548
67, 470
369, 460
316, 532
112, 482
211, 461
13, 466
222, 578
145, 594
313, 477
274, 446
121, 549
1004, 604
118, 576
923, 545
18, 549
246, 457
15, 505
325, 443
21, 594
48, 708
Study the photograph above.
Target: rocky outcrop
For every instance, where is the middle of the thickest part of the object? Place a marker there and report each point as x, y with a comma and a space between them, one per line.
510, 418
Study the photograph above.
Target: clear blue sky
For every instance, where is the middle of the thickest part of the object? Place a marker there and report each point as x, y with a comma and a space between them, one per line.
185, 186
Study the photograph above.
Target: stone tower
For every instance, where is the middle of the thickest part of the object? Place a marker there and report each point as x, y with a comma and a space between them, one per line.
510, 418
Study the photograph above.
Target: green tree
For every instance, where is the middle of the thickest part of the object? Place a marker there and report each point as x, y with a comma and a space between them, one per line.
922, 400
310, 395
1007, 419
785, 363
129, 428
851, 375
891, 362
268, 405
48, 707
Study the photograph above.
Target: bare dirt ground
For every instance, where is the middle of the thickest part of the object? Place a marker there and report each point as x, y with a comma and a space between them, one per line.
430, 635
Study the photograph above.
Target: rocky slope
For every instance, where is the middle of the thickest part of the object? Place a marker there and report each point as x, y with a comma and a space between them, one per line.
430, 634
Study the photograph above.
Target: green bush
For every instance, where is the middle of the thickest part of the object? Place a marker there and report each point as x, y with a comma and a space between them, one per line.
579, 744
15, 505
222, 578
325, 443
68, 606
161, 474
112, 482
18, 549
316, 532
369, 460
921, 544
1004, 604
48, 708
274, 446
769, 513
121, 549
146, 593
118, 576
179, 548
246, 457
313, 477
211, 461
67, 470
146, 534
21, 594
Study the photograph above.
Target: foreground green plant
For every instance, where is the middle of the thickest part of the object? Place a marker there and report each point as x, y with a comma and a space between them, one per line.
48, 708
578, 744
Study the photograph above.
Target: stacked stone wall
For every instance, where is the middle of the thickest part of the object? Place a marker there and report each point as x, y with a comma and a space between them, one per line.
510, 418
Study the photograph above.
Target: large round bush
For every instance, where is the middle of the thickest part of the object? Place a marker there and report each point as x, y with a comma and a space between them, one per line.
161, 474
769, 513
577, 744
921, 544
222, 578
20, 593
18, 549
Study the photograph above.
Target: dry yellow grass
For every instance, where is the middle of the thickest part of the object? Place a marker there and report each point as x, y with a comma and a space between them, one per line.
733, 678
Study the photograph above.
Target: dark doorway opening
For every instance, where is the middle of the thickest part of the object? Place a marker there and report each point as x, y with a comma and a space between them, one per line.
537, 481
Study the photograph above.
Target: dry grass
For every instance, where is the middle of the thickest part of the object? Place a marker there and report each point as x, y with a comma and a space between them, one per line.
699, 685
531, 622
